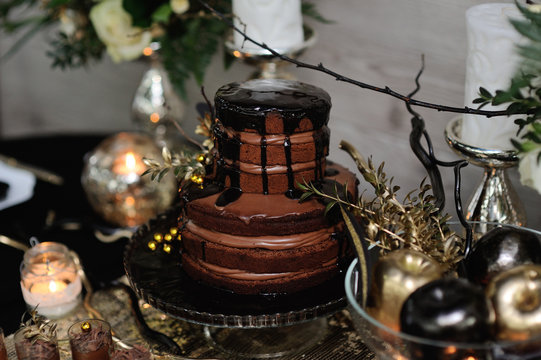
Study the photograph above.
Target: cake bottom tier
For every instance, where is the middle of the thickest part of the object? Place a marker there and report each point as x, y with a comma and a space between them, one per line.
245, 283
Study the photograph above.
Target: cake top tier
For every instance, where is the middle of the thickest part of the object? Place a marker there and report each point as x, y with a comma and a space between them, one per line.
272, 106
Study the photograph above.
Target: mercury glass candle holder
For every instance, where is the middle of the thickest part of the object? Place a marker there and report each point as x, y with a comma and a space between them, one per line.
114, 185
156, 105
49, 280
494, 200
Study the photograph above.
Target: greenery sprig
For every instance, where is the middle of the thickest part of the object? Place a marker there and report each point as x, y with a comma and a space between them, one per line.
390, 224
38, 328
186, 165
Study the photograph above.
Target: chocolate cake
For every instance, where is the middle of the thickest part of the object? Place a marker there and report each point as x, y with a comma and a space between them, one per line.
246, 231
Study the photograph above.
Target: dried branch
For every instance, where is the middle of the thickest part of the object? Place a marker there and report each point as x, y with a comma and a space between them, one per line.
339, 77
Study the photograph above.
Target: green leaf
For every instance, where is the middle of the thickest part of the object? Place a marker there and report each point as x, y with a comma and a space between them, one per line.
329, 206
501, 97
162, 174
485, 93
526, 29
162, 13
305, 196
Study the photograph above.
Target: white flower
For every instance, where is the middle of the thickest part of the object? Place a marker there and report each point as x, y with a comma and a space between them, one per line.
114, 28
530, 169
180, 6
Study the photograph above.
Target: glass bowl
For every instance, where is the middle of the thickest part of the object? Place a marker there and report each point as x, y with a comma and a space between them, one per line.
388, 344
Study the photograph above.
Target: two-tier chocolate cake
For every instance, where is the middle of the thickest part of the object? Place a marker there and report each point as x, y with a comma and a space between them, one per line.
247, 231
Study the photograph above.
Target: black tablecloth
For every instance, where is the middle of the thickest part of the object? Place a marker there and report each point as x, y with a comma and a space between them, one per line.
66, 204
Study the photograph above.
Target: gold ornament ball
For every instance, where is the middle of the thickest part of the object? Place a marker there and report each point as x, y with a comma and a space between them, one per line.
396, 276
516, 297
167, 248
152, 245
158, 237
173, 231
168, 237
201, 158
85, 326
197, 179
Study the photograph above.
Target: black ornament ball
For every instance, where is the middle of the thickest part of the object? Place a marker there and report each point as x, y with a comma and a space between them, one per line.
501, 249
448, 309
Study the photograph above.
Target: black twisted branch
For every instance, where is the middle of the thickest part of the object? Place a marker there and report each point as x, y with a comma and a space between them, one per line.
339, 77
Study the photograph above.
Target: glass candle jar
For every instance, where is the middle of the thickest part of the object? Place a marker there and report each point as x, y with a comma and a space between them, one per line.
33, 349
90, 340
49, 280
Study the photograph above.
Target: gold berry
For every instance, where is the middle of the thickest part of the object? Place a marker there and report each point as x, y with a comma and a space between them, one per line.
198, 179
85, 326
152, 245
168, 237
173, 231
179, 237
200, 158
167, 248
158, 237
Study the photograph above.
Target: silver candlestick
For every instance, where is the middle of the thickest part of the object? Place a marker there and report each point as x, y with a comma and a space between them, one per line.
495, 199
268, 65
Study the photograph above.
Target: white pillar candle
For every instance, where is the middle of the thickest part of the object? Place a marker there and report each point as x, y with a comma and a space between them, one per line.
491, 63
277, 23
49, 280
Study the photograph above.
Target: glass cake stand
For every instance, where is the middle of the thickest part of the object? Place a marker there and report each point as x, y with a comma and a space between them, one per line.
254, 326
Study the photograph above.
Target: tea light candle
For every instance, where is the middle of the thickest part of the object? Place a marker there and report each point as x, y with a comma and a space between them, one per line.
129, 164
491, 63
49, 280
277, 23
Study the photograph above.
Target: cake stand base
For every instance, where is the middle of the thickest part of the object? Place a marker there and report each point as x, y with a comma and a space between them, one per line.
264, 343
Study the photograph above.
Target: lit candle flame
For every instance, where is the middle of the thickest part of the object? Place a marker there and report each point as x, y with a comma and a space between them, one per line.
52, 286
130, 161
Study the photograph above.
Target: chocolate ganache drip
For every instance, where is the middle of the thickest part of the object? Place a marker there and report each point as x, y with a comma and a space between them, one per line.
257, 118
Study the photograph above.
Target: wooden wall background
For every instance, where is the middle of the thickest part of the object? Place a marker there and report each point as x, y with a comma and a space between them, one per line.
376, 41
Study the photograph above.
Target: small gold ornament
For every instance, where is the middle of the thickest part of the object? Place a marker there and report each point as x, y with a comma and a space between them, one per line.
158, 237
201, 158
179, 237
516, 296
173, 231
152, 245
168, 237
198, 179
396, 276
167, 248
85, 326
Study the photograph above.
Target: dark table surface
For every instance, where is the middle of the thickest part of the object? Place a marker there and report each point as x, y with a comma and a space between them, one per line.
50, 215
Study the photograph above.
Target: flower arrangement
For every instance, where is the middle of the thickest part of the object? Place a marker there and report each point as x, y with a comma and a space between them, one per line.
189, 35
524, 97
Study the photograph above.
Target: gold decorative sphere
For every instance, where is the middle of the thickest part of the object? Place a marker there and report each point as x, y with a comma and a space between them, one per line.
85, 326
152, 245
